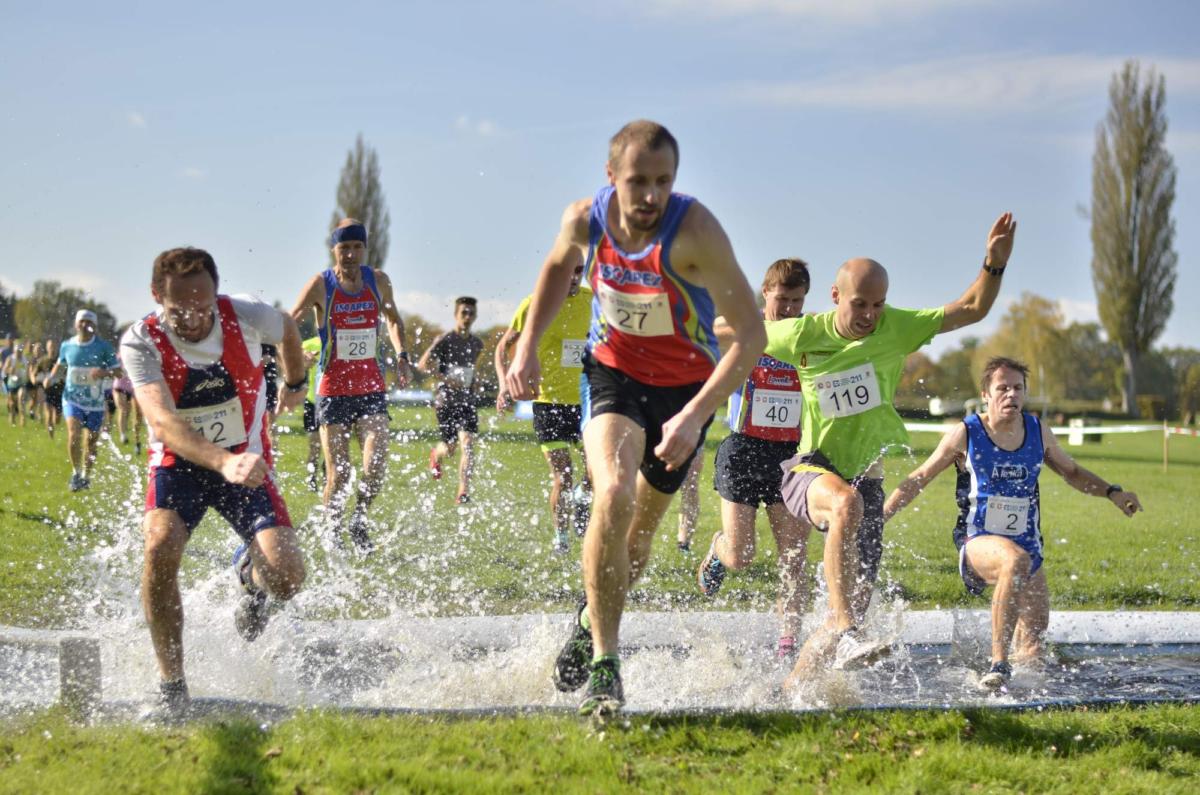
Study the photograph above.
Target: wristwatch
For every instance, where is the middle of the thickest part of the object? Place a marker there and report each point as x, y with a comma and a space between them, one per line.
993, 271
299, 386
403, 355
1112, 489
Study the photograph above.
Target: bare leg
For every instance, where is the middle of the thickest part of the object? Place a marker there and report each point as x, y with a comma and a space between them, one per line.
466, 462
374, 441
336, 441
561, 483
89, 462
278, 565
122, 401
1033, 606
795, 584
1000, 562
165, 538
75, 431
689, 501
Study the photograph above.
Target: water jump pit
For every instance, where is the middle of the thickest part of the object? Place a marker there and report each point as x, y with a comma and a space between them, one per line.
673, 663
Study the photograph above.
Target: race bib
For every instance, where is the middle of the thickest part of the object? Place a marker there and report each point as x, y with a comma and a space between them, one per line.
849, 392
222, 425
775, 408
356, 344
640, 314
461, 375
79, 376
572, 353
1007, 516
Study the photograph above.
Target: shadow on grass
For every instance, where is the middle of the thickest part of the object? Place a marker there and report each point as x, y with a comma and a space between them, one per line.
236, 758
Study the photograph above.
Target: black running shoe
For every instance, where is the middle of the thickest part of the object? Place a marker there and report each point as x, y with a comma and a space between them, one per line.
711, 573
997, 677
573, 665
171, 705
359, 527
252, 615
605, 695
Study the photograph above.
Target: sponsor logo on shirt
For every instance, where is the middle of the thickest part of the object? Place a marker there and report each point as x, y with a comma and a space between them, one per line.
354, 306
209, 383
620, 275
1009, 472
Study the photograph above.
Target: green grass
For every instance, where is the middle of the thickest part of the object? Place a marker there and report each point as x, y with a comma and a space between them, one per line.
1115, 751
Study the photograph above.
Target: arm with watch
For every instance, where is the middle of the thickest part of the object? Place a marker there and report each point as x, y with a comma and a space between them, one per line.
974, 305
1084, 479
291, 366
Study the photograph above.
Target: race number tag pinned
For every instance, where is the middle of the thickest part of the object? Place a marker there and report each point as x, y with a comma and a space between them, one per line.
83, 384
222, 424
461, 376
775, 408
640, 314
1006, 516
356, 344
572, 353
849, 392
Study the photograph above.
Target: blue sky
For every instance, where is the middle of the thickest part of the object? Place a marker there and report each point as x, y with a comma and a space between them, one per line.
821, 129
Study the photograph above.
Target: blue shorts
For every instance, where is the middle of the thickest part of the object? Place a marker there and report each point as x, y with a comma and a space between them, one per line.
190, 491
349, 409
92, 420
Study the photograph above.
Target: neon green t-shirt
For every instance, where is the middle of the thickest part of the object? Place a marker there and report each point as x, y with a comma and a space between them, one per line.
849, 385
312, 345
561, 349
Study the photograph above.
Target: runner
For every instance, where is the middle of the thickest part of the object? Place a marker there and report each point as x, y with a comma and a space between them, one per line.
349, 300
36, 390
557, 414
452, 358
998, 457
661, 268
88, 361
764, 425
197, 373
53, 388
16, 377
313, 465
127, 408
849, 360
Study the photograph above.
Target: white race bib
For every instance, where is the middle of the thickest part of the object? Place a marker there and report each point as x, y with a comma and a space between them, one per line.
460, 375
640, 314
1006, 516
222, 425
356, 344
80, 376
775, 408
572, 353
849, 392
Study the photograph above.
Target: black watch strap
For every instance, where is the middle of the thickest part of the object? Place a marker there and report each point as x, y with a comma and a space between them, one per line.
1112, 489
299, 386
993, 271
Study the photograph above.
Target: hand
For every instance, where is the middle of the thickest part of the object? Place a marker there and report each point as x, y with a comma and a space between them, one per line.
1127, 501
524, 375
310, 358
1000, 241
96, 373
503, 401
680, 436
403, 373
245, 469
289, 400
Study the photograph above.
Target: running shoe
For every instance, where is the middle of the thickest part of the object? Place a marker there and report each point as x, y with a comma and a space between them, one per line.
360, 533
85, 483
605, 695
572, 667
76, 483
856, 650
463, 498
997, 677
252, 613
711, 573
171, 704
435, 466
137, 447
786, 649
562, 542
685, 547
311, 480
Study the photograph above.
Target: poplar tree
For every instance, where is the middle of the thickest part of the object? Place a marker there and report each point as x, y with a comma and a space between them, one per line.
360, 195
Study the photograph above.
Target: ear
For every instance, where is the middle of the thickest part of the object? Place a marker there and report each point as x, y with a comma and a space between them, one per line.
154, 294
833, 293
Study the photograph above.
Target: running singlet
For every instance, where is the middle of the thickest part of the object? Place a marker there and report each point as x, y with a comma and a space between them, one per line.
349, 339
561, 348
768, 405
647, 320
82, 390
849, 385
224, 401
997, 490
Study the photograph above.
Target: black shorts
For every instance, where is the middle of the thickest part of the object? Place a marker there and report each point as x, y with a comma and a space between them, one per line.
606, 390
190, 491
557, 423
54, 395
455, 412
271, 387
349, 409
310, 417
747, 469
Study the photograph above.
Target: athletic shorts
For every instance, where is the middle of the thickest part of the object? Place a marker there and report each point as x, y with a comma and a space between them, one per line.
349, 409
557, 424
310, 417
92, 420
455, 412
747, 469
54, 395
801, 471
971, 579
606, 390
190, 491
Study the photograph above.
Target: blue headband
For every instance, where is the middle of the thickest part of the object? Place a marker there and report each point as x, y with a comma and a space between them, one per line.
345, 233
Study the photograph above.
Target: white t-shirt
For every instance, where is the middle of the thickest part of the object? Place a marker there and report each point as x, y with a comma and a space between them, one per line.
262, 324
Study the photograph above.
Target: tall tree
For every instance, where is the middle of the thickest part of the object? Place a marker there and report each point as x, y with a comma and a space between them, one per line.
1032, 332
360, 195
1133, 188
49, 312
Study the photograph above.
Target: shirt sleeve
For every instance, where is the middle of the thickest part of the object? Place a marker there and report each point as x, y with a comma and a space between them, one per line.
140, 357
916, 328
265, 320
786, 338
522, 315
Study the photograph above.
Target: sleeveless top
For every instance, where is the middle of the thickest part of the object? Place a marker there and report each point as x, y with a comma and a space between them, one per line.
768, 405
349, 332
647, 320
997, 490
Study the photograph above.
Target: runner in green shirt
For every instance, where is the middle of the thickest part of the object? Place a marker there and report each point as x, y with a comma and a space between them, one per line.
849, 360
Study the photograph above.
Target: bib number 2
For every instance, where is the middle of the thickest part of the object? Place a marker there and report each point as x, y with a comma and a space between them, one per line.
1006, 516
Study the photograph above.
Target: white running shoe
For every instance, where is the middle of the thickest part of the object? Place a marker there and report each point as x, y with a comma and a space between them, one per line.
855, 650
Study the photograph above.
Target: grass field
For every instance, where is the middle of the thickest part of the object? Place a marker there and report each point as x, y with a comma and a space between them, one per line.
494, 557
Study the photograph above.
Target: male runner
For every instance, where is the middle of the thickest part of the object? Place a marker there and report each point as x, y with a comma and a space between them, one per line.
349, 299
53, 388
849, 360
452, 358
764, 425
16, 378
127, 411
998, 457
88, 361
661, 268
557, 414
197, 373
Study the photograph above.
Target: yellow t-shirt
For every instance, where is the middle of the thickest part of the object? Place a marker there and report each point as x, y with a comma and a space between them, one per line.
561, 349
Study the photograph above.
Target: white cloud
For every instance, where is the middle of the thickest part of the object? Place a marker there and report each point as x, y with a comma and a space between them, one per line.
136, 120
482, 127
193, 172
995, 84
855, 12
1075, 311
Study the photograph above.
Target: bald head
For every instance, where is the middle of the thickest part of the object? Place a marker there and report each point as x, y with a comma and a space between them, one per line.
860, 292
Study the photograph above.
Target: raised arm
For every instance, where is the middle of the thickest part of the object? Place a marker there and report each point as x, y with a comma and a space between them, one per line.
395, 326
949, 449
973, 305
1083, 479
